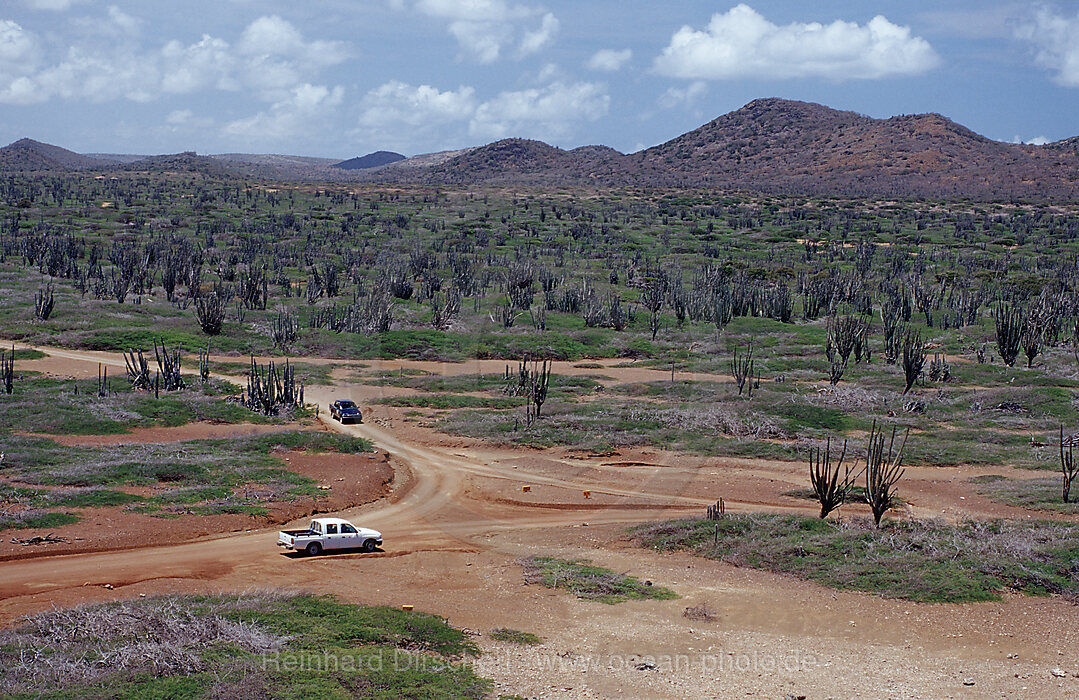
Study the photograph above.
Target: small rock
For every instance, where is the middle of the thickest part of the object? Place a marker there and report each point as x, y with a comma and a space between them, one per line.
645, 666
968, 681
1058, 673
108, 586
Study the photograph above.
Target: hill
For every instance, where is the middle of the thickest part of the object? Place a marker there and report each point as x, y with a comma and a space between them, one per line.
769, 145
784, 146
33, 156
371, 160
787, 146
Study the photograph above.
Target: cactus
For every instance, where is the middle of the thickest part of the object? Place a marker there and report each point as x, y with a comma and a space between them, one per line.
830, 488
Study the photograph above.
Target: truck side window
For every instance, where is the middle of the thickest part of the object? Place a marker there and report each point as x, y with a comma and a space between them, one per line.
331, 529
347, 529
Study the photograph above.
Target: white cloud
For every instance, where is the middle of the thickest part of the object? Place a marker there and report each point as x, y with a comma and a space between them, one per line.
540, 38
182, 119
683, 97
609, 60
549, 112
303, 109
52, 5
271, 59
1036, 141
743, 44
18, 50
397, 114
123, 21
485, 28
396, 103
1056, 43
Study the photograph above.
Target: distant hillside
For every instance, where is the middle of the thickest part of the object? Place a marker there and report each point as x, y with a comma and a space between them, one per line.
775, 145
371, 160
781, 145
770, 145
522, 161
30, 155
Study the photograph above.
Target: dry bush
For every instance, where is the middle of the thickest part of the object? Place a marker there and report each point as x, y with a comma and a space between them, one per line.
156, 636
715, 418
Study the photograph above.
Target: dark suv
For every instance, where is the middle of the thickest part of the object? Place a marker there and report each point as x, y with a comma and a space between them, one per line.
346, 411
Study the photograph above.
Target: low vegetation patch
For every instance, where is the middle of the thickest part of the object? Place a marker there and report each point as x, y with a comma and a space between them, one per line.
73, 407
1035, 494
590, 582
200, 477
261, 645
451, 401
512, 636
925, 561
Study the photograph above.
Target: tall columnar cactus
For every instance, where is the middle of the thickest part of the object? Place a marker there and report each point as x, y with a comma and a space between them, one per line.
883, 469
831, 481
1011, 322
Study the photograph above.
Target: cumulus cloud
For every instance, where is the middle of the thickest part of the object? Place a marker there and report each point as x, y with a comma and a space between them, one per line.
741, 43
484, 29
398, 113
52, 5
1036, 141
17, 46
183, 119
396, 103
270, 59
305, 106
609, 60
683, 97
1055, 39
549, 112
541, 37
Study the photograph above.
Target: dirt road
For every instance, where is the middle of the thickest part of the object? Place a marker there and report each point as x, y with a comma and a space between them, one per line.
458, 521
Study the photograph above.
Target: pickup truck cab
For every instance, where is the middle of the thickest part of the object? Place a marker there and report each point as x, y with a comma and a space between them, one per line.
327, 534
346, 411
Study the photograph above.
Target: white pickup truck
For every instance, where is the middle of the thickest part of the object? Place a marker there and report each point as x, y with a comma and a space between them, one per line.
325, 534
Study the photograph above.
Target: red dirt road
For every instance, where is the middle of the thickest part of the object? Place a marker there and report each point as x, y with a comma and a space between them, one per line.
457, 522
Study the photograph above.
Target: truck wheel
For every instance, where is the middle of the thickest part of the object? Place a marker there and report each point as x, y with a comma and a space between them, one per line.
314, 549
368, 546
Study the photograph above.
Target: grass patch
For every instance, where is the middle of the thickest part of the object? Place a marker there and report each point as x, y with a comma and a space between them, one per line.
36, 519
67, 407
512, 636
590, 582
1035, 494
261, 645
200, 477
925, 561
93, 498
446, 402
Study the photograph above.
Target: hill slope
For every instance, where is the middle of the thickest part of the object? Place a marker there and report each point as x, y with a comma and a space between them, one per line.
371, 160
31, 155
776, 145
780, 145
770, 145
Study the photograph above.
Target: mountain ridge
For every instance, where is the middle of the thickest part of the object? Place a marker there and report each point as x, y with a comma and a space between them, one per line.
769, 145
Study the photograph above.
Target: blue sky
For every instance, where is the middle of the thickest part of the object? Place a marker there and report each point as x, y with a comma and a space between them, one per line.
341, 78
